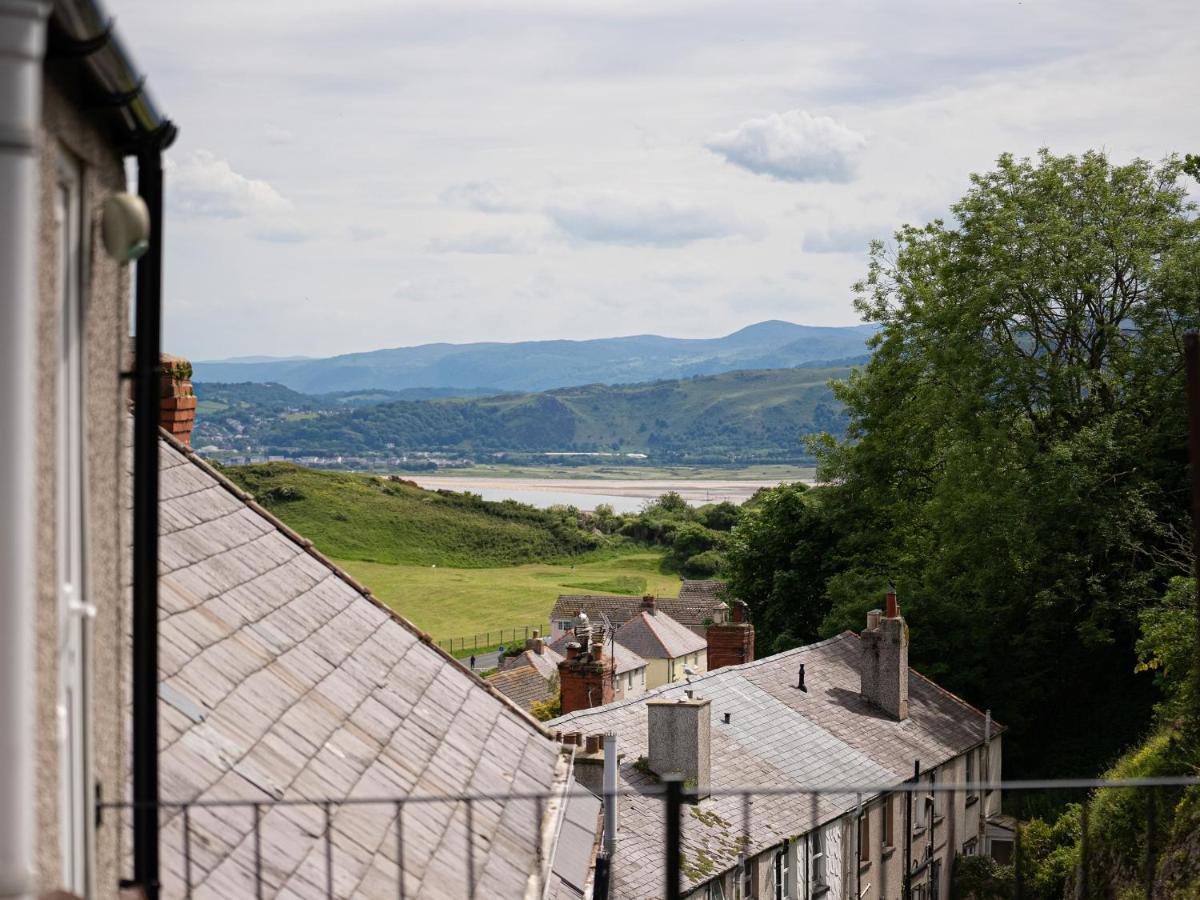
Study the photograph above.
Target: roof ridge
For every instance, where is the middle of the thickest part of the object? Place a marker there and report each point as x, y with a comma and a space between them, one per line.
424, 637
699, 678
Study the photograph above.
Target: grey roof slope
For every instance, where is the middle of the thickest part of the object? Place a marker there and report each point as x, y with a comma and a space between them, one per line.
692, 611
626, 659
281, 677
658, 636
545, 662
701, 591
523, 685
777, 737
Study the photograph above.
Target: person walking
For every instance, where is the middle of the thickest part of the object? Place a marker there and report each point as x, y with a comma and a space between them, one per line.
472, 663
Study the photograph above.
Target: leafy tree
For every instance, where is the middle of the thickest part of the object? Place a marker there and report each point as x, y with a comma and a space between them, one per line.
1167, 646
1015, 459
780, 557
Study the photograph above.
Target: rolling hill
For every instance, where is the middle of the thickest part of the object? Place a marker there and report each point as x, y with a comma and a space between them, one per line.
543, 365
731, 416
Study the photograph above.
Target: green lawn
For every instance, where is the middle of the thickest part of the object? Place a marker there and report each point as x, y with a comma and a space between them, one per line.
452, 602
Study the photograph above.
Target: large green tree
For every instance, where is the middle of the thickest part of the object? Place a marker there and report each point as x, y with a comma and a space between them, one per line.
1015, 458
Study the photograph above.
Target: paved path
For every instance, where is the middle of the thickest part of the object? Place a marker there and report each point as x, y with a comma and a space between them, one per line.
484, 661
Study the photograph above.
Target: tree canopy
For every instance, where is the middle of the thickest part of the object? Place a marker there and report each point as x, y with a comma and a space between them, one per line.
1015, 459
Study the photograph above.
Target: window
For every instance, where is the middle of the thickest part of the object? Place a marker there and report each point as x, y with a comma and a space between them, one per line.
746, 880
820, 876
864, 836
970, 777
74, 612
889, 820
782, 873
971, 847
927, 820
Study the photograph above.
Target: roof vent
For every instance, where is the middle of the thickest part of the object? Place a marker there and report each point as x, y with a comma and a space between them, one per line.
800, 679
727, 718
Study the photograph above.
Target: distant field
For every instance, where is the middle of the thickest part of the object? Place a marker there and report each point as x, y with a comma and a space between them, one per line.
450, 602
616, 472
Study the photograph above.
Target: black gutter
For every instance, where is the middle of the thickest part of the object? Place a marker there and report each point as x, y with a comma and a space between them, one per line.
82, 30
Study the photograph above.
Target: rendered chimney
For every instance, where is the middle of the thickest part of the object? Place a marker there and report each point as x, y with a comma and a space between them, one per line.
648, 604
584, 677
883, 664
177, 403
678, 733
536, 643
730, 643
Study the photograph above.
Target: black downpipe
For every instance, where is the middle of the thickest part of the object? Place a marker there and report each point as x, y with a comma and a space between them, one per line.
147, 389
908, 830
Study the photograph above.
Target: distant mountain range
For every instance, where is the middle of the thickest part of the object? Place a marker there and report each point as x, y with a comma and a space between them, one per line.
544, 365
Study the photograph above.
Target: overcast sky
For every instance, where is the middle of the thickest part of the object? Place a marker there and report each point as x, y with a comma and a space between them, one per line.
361, 174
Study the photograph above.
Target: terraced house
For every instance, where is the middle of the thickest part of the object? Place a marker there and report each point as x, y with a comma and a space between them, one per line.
846, 715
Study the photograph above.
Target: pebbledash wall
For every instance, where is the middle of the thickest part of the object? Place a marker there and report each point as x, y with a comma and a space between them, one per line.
68, 137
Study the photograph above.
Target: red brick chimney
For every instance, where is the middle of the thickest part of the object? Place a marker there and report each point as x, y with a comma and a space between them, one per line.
648, 604
731, 643
178, 401
585, 676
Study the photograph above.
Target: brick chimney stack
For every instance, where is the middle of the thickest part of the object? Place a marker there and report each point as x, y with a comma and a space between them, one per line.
883, 665
731, 643
178, 401
648, 604
536, 643
584, 678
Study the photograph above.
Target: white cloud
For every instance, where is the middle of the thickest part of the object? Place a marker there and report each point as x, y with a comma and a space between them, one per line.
792, 146
478, 242
612, 217
845, 238
481, 195
201, 184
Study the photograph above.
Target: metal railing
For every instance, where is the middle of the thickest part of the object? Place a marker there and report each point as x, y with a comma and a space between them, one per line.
490, 640
676, 796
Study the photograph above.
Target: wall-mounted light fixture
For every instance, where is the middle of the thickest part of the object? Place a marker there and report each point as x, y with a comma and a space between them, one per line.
125, 223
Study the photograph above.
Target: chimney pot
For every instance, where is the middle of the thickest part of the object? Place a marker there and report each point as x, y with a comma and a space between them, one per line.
648, 603
572, 650
873, 618
738, 611
893, 608
597, 650
593, 743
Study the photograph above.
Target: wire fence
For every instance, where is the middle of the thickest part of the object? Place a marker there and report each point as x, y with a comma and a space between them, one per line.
490, 640
920, 854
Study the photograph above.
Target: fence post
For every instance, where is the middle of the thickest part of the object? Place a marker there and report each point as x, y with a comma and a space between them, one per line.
674, 837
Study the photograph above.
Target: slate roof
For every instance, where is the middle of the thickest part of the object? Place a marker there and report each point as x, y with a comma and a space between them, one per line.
778, 736
701, 591
626, 659
282, 677
658, 636
694, 609
523, 685
545, 662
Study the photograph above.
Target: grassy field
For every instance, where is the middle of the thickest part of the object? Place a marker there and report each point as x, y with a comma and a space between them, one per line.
618, 472
374, 519
453, 602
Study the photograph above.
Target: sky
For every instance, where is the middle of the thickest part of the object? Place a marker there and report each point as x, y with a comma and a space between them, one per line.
373, 173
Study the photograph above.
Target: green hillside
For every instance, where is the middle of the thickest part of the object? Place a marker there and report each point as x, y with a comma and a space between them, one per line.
735, 415
387, 520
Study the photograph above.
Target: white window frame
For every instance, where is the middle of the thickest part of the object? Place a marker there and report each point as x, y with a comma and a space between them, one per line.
75, 613
818, 859
783, 872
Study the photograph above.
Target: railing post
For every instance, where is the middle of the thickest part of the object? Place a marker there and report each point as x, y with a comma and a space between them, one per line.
470, 849
1151, 809
258, 879
400, 847
673, 798
328, 850
187, 852
1018, 865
